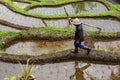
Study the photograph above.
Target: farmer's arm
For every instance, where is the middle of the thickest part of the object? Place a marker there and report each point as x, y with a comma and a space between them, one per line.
70, 19
78, 40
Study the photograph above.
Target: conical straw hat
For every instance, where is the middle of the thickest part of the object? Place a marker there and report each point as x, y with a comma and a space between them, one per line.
76, 21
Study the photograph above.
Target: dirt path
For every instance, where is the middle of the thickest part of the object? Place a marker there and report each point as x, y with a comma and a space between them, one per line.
94, 57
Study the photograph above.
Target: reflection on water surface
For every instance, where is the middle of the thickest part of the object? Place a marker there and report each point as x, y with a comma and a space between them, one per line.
108, 46
74, 8
39, 47
65, 71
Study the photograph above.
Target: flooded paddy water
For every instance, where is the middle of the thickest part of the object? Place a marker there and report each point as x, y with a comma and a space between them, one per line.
74, 8
19, 19
106, 25
108, 45
39, 47
44, 46
15, 18
65, 71
33, 22
109, 25
2, 27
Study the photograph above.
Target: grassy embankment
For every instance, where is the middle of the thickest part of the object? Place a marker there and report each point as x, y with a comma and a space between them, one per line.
55, 32
113, 12
45, 33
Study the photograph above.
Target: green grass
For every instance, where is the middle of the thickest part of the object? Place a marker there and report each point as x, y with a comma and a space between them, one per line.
10, 78
98, 49
115, 9
6, 35
42, 32
107, 51
53, 28
47, 32
95, 34
3, 32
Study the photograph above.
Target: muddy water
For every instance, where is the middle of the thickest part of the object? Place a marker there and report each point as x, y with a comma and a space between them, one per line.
64, 71
39, 47
42, 47
108, 46
74, 8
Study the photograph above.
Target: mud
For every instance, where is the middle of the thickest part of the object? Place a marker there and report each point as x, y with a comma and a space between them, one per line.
38, 47
94, 56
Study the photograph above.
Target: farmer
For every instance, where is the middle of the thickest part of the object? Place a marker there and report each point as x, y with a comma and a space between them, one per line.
79, 36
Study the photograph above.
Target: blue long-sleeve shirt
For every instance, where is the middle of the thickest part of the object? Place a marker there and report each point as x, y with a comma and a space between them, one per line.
79, 35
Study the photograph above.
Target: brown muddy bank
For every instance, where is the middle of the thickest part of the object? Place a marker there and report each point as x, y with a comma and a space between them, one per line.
94, 56
12, 25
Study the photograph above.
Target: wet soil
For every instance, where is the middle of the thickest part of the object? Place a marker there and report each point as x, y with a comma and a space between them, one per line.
94, 56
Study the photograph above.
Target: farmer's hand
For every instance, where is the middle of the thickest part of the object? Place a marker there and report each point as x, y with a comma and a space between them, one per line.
70, 19
77, 41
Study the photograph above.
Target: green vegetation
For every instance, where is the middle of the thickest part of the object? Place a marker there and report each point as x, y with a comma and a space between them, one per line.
52, 29
26, 71
98, 49
114, 9
3, 32
6, 35
10, 78
33, 33
47, 33
99, 35
52, 32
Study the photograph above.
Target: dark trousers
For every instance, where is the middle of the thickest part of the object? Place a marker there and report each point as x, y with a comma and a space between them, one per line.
79, 45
